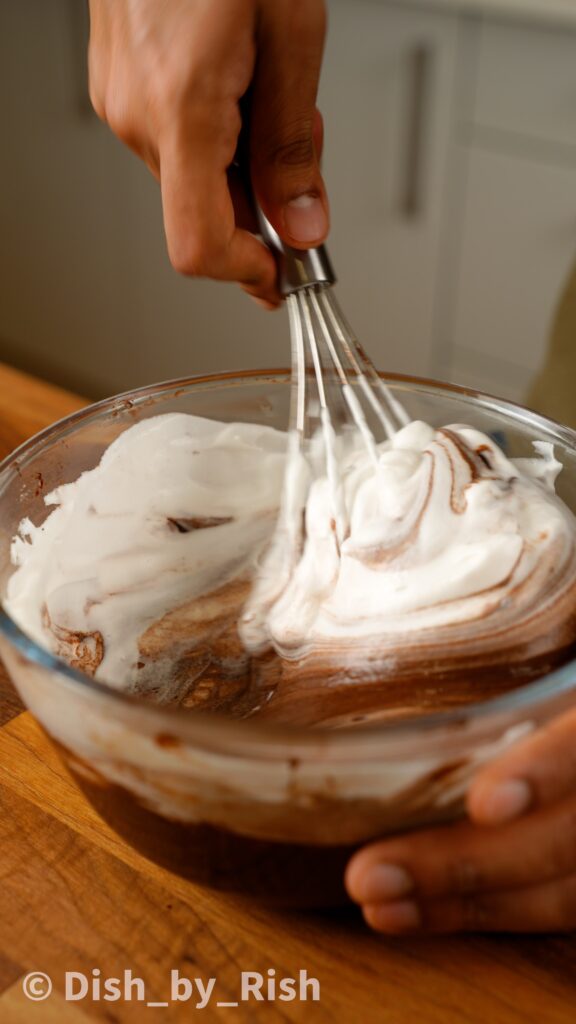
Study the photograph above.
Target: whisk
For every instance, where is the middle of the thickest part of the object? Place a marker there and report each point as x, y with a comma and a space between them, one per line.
335, 389
325, 353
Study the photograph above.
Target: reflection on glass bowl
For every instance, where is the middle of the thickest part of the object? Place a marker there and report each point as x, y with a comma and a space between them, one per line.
271, 810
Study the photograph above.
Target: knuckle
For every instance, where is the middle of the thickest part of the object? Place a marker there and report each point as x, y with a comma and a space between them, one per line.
189, 260
194, 256
294, 152
169, 91
196, 96
114, 110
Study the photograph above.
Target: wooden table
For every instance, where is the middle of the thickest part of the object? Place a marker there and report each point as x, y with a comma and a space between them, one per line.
74, 897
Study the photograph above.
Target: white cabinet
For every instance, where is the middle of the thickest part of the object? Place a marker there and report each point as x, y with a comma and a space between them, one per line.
517, 246
515, 238
526, 81
387, 95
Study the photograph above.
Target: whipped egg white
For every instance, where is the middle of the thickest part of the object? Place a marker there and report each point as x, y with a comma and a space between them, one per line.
443, 533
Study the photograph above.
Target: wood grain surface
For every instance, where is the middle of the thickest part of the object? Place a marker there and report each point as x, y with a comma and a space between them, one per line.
75, 897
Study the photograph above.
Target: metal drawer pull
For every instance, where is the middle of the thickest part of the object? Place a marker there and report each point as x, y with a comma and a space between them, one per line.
419, 93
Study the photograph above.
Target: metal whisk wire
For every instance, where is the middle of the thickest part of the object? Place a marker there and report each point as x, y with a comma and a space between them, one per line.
325, 349
317, 326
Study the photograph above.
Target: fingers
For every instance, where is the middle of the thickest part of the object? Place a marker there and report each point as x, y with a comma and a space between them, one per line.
534, 773
461, 867
518, 875
168, 80
169, 83
463, 859
550, 907
202, 236
285, 128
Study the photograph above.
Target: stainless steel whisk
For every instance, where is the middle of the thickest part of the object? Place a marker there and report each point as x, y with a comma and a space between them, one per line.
326, 352
335, 388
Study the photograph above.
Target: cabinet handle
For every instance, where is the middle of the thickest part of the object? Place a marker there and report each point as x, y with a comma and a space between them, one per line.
421, 61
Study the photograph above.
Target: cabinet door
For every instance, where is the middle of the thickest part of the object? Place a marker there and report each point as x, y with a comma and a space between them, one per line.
518, 245
387, 92
527, 83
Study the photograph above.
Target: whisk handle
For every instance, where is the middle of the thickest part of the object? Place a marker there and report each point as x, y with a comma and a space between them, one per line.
297, 268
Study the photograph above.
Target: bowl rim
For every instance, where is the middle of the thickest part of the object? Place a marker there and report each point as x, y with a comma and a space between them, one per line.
206, 725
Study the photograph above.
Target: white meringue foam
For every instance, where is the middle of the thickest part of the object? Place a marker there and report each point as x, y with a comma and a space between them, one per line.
110, 559
445, 532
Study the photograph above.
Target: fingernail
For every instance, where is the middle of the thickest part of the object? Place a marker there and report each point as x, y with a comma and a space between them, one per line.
305, 218
506, 801
385, 882
403, 916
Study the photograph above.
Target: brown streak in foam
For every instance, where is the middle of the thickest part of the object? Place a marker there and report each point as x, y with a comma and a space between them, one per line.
380, 554
480, 453
543, 596
82, 650
187, 524
458, 502
463, 449
167, 740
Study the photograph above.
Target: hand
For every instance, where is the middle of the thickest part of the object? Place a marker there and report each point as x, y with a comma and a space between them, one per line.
510, 867
168, 78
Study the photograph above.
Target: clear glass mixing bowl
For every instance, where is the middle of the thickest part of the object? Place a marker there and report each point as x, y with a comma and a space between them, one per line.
270, 810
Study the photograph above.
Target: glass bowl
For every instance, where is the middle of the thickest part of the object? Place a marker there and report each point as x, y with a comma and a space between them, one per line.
269, 810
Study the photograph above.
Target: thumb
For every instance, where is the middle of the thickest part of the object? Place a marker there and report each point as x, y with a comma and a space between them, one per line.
285, 129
